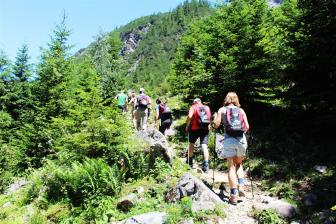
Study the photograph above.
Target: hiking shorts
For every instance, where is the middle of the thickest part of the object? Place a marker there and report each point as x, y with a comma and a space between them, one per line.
231, 147
165, 125
122, 108
202, 134
141, 119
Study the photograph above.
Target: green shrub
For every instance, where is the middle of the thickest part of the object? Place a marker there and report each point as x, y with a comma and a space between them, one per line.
269, 216
181, 211
161, 170
81, 181
37, 218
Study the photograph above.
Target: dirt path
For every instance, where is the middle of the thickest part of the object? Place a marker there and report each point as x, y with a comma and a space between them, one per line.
243, 211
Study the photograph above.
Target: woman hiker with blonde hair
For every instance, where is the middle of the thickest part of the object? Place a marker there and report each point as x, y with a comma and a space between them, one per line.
234, 124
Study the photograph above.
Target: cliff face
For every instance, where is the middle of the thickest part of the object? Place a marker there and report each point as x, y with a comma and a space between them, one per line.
132, 38
141, 52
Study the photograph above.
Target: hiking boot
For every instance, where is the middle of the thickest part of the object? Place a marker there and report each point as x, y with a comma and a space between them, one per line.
205, 167
241, 191
233, 199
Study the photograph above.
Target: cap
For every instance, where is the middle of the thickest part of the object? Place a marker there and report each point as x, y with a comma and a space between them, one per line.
142, 90
197, 100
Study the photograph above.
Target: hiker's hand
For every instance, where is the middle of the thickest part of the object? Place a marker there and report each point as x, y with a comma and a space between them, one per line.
187, 129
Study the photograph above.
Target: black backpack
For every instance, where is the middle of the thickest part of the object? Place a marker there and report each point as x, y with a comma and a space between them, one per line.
204, 118
142, 101
234, 124
164, 112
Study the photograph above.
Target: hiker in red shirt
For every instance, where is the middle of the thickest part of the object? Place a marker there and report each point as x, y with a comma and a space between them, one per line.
198, 126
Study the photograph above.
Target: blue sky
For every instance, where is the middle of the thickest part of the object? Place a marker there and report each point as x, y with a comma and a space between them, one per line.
32, 21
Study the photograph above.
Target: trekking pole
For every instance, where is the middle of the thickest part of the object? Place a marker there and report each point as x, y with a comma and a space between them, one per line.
250, 139
188, 162
214, 155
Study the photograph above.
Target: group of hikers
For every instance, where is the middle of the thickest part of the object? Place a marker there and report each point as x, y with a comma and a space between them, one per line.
230, 119
140, 107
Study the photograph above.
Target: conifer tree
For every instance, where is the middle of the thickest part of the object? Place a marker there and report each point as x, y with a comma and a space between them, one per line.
21, 68
52, 72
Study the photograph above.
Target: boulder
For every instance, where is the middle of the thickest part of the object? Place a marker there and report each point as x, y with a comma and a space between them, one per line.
16, 186
146, 218
309, 199
126, 203
285, 209
321, 169
203, 198
158, 145
203, 206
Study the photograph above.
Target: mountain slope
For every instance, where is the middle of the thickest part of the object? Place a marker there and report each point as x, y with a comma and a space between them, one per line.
146, 46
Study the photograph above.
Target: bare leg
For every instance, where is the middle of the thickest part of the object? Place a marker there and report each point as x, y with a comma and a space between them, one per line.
205, 152
232, 173
191, 149
239, 166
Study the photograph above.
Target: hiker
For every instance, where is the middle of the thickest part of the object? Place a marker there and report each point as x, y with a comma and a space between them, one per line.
163, 113
234, 124
142, 105
122, 99
198, 126
131, 103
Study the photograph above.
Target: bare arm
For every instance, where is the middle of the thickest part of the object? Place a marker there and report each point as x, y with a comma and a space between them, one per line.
189, 117
218, 118
149, 103
156, 117
246, 121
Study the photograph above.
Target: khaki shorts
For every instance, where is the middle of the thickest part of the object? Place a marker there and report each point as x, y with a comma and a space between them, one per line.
228, 147
141, 119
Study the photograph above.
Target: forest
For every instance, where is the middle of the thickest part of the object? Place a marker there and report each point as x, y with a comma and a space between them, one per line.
62, 135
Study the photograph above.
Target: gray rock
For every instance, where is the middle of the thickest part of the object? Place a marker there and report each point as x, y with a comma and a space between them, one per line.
321, 169
309, 199
140, 190
16, 186
146, 218
203, 198
189, 221
283, 208
324, 215
132, 38
126, 203
267, 199
203, 206
7, 204
258, 206
214, 220
158, 145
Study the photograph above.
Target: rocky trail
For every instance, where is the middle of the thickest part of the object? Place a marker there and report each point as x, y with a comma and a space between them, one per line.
243, 211
210, 189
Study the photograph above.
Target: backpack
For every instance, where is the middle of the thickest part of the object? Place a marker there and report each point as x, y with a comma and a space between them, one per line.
234, 124
204, 117
164, 112
142, 101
